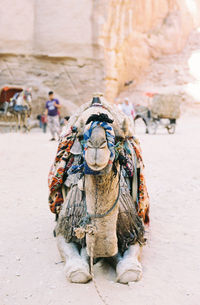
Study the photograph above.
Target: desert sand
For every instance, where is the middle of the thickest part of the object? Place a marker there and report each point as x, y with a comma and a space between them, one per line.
31, 271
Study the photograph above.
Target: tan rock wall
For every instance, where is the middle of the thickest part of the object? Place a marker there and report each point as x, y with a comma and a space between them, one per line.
49, 27
135, 32
71, 80
81, 46
63, 28
51, 44
16, 26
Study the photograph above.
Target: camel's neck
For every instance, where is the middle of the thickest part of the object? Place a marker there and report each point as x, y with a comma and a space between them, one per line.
101, 194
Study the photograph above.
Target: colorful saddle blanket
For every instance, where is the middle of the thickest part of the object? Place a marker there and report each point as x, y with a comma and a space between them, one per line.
127, 152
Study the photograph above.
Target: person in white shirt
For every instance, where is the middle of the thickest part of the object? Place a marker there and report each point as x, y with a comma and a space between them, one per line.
118, 104
128, 108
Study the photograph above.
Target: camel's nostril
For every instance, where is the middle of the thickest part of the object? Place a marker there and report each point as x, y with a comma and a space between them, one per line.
95, 156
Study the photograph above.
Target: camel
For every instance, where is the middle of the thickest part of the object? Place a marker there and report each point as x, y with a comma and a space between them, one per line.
18, 110
95, 200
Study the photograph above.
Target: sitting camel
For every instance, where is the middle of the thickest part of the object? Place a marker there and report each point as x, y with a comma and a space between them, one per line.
98, 193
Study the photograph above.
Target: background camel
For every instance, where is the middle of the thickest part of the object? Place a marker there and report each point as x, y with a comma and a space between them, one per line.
18, 109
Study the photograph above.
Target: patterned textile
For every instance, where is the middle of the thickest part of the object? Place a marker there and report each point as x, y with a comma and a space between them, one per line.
64, 166
63, 161
143, 198
20, 108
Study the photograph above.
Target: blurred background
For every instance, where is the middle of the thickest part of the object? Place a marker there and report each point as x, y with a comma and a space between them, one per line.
121, 48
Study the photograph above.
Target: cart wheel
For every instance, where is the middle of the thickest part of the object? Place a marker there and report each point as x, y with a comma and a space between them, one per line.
171, 128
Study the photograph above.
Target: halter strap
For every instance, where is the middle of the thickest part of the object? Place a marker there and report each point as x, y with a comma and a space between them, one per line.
88, 217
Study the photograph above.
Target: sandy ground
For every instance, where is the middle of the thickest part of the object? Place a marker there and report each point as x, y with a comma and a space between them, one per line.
30, 272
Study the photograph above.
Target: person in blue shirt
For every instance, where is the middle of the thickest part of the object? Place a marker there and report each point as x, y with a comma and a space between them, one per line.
52, 115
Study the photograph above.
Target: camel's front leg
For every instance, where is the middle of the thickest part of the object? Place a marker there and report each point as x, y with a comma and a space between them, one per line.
18, 122
76, 265
129, 268
25, 122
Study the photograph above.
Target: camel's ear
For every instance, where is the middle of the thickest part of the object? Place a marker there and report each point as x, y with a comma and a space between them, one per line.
125, 127
81, 128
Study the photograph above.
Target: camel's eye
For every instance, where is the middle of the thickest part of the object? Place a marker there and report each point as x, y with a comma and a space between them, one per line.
89, 144
103, 145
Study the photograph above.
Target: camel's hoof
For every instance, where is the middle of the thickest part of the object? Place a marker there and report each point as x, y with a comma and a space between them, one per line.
77, 274
129, 271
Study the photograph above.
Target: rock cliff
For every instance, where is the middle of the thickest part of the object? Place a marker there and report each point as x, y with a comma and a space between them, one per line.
50, 45
137, 32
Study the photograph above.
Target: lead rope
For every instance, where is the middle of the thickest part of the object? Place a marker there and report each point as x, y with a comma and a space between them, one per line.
91, 230
92, 254
93, 278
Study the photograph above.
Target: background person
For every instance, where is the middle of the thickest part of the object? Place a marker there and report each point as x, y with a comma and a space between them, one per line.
44, 122
128, 108
39, 116
52, 114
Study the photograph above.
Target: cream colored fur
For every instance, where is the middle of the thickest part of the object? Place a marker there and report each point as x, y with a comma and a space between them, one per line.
76, 265
129, 268
101, 193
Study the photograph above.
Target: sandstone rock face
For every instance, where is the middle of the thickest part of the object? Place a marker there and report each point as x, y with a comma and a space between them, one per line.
50, 45
71, 80
135, 32
78, 47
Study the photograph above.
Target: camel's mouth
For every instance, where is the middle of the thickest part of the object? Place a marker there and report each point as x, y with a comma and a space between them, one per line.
97, 159
99, 146
97, 167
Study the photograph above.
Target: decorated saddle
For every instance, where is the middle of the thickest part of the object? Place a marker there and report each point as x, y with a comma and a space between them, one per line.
69, 167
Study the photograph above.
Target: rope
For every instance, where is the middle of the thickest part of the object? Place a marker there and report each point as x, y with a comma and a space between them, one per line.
93, 277
91, 230
93, 243
80, 233
88, 217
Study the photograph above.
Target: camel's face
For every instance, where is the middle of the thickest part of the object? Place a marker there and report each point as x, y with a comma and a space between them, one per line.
28, 96
97, 154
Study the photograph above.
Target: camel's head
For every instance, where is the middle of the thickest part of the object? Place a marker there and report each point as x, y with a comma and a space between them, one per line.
99, 143
100, 133
27, 96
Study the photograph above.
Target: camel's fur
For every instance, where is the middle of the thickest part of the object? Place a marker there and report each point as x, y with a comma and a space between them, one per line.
101, 192
122, 125
105, 189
